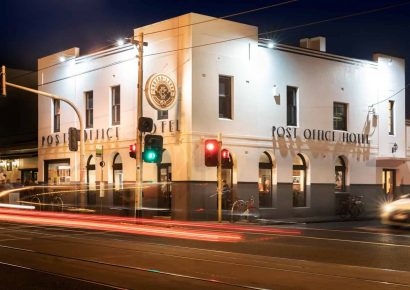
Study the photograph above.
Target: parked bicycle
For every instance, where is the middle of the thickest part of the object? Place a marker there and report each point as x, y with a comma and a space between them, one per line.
351, 207
244, 210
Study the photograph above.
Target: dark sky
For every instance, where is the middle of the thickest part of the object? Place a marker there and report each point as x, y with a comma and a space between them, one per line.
31, 29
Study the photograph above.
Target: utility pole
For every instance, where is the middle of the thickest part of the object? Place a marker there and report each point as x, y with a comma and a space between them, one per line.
139, 170
52, 96
219, 178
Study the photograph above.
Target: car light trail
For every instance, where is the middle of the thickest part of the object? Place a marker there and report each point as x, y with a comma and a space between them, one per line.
156, 222
72, 221
16, 206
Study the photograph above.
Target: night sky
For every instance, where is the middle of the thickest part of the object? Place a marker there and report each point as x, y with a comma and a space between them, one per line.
33, 29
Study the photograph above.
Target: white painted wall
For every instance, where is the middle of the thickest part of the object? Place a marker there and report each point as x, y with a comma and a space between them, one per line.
194, 56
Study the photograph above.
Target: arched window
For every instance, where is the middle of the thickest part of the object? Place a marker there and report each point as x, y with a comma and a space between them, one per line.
165, 177
91, 170
299, 181
340, 174
117, 171
227, 183
265, 180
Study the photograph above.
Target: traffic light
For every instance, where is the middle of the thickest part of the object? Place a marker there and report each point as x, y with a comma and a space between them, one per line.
145, 124
152, 148
3, 80
225, 158
211, 152
73, 138
133, 149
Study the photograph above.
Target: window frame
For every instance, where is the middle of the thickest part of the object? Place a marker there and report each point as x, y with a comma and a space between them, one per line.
115, 107
89, 120
56, 115
292, 109
344, 118
390, 116
228, 102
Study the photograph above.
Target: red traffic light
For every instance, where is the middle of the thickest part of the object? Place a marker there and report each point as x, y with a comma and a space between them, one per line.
225, 154
211, 152
226, 158
133, 149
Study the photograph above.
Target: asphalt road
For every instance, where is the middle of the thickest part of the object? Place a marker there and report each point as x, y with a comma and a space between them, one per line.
166, 255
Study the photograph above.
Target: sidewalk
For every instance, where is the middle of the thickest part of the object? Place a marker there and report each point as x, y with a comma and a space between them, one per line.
307, 220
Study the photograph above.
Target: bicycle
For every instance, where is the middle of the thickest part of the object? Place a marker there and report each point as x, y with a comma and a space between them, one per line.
244, 210
352, 207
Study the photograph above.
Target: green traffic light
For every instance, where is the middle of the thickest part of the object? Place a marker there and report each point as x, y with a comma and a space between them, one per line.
150, 156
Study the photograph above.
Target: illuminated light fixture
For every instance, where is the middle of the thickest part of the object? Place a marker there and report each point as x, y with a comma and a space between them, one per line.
271, 44
120, 42
394, 147
62, 58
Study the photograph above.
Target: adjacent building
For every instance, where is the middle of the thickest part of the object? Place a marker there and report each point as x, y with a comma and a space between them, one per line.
302, 126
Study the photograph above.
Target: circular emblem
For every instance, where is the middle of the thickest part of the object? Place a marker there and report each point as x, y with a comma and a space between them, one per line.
160, 92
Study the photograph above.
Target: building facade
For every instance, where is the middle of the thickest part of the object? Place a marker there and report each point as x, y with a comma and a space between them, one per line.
302, 126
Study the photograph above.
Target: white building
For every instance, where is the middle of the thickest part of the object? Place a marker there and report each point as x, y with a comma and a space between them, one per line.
301, 124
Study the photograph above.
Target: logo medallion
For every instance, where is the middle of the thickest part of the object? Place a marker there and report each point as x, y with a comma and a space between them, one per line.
160, 92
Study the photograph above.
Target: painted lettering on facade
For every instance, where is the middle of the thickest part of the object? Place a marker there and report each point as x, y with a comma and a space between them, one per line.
89, 135
320, 135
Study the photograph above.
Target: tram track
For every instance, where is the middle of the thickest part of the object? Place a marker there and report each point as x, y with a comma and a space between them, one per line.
211, 259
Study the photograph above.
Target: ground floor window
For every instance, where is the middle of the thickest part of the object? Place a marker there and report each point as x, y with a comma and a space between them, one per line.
57, 171
340, 175
227, 184
265, 180
117, 172
91, 171
389, 183
299, 181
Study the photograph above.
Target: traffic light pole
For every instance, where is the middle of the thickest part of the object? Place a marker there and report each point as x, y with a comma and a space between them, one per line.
52, 96
139, 170
219, 177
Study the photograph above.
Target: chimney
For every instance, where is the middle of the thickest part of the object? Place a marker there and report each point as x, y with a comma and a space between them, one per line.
315, 43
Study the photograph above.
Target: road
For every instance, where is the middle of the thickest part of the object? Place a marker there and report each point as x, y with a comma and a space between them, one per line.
82, 252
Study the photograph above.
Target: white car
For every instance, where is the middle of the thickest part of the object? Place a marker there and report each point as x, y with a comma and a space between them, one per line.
397, 213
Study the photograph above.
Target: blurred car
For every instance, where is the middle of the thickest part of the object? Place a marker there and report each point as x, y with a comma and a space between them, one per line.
397, 213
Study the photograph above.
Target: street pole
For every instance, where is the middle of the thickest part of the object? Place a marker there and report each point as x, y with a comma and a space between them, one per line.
52, 96
219, 177
139, 171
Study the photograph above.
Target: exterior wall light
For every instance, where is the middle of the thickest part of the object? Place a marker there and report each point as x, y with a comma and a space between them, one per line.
394, 148
120, 42
271, 44
62, 58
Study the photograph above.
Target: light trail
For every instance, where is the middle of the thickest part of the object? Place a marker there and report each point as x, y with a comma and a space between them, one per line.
72, 221
16, 206
157, 222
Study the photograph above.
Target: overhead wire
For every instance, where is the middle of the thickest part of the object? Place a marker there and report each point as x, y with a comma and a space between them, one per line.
163, 30
242, 37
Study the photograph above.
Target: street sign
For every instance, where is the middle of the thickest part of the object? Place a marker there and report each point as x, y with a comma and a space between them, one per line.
98, 150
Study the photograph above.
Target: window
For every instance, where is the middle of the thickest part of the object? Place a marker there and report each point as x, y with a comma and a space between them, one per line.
299, 181
115, 103
340, 174
390, 117
339, 116
89, 109
225, 97
56, 105
162, 115
265, 180
291, 93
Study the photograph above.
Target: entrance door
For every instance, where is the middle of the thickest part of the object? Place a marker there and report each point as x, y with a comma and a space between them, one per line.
389, 183
165, 193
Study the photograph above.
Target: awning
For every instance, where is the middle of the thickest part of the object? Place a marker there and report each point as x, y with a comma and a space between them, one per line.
390, 161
